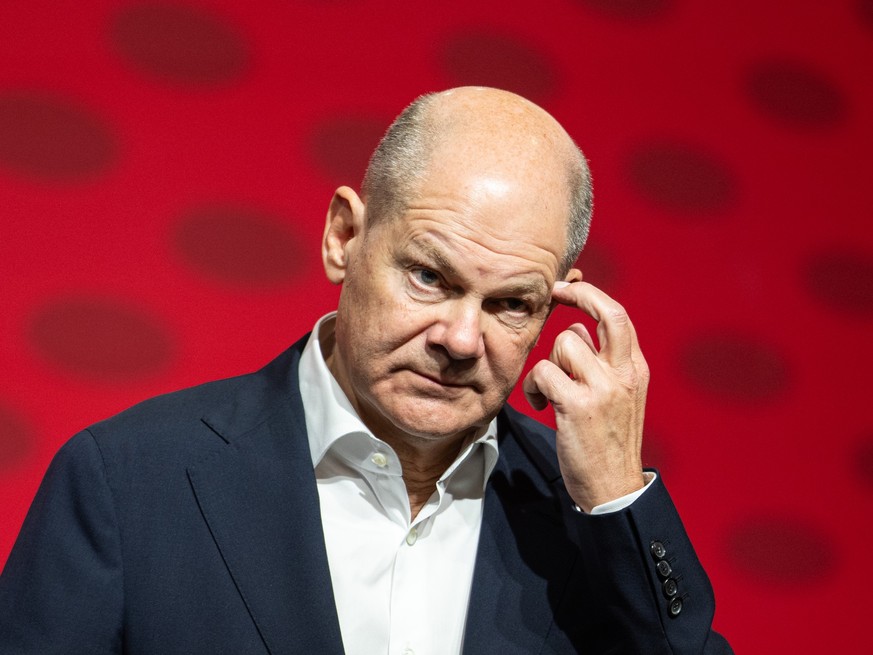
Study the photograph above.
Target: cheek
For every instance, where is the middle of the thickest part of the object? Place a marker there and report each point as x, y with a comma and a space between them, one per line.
508, 354
380, 324
364, 303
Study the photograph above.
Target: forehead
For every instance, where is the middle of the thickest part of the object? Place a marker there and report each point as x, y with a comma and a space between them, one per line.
495, 184
509, 206
482, 229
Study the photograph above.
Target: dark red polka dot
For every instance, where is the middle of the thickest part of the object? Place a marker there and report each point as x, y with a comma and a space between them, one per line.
795, 95
240, 245
102, 339
781, 551
735, 368
863, 460
50, 138
842, 280
180, 43
634, 10
489, 59
15, 438
598, 266
865, 10
681, 178
341, 147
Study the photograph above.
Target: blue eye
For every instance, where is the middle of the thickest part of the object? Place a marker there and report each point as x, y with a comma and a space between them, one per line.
426, 277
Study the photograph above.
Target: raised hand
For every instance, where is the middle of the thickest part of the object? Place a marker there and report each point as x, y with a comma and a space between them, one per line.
599, 398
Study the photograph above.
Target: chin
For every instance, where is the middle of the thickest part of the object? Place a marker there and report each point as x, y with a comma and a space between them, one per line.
436, 420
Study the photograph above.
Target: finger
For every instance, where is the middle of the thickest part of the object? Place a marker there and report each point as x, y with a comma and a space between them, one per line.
545, 383
575, 354
618, 341
534, 397
584, 334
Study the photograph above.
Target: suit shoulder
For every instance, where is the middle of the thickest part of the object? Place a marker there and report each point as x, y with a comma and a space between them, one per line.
178, 421
171, 409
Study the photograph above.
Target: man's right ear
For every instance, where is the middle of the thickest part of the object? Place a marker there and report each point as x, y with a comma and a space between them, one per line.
342, 229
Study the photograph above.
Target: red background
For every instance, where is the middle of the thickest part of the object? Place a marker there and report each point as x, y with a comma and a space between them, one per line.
165, 169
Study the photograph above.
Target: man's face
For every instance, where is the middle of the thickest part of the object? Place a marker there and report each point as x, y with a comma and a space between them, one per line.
441, 306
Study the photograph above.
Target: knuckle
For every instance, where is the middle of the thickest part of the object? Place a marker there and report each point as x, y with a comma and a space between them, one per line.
645, 374
642, 368
564, 341
618, 314
645, 371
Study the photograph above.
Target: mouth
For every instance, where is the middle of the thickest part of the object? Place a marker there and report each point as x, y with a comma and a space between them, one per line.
444, 382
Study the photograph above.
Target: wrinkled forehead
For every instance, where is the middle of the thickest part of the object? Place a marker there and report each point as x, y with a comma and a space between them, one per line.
502, 216
466, 248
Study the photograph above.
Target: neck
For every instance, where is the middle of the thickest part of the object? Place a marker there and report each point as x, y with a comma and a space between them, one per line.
423, 462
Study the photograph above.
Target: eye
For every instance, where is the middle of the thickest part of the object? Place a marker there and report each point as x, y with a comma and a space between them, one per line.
425, 277
514, 305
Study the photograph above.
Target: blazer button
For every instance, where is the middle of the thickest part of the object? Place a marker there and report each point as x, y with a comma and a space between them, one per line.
664, 568
675, 606
670, 587
658, 550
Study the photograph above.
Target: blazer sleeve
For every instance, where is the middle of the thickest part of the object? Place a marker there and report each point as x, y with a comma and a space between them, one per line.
653, 594
61, 590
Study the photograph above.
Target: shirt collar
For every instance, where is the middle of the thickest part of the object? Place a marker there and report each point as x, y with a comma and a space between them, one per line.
330, 416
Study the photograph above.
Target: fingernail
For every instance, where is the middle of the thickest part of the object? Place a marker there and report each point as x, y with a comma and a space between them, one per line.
560, 284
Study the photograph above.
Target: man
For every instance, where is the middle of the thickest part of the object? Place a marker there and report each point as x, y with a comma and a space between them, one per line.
369, 491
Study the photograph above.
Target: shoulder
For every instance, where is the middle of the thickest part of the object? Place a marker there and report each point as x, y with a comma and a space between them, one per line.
173, 409
179, 423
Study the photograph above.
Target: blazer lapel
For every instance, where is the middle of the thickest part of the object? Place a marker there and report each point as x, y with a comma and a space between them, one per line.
524, 558
258, 495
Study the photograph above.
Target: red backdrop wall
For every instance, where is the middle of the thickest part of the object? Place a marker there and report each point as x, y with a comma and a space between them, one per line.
165, 168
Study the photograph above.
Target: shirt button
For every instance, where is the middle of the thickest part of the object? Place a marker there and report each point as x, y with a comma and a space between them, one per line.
379, 460
411, 538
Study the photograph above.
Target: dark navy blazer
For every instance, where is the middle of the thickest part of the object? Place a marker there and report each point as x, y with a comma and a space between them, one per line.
190, 524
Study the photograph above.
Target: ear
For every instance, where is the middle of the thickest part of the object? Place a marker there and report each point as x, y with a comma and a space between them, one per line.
573, 275
344, 224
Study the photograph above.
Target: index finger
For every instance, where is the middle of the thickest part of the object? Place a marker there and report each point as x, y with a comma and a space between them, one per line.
616, 333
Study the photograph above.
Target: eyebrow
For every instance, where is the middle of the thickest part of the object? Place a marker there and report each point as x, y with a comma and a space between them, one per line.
436, 256
520, 288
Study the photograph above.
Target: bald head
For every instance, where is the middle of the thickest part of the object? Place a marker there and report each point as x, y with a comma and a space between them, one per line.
489, 130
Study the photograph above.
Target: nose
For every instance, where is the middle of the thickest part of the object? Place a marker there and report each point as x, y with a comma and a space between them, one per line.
458, 329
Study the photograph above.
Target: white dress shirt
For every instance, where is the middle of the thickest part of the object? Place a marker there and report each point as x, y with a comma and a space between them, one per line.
401, 585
